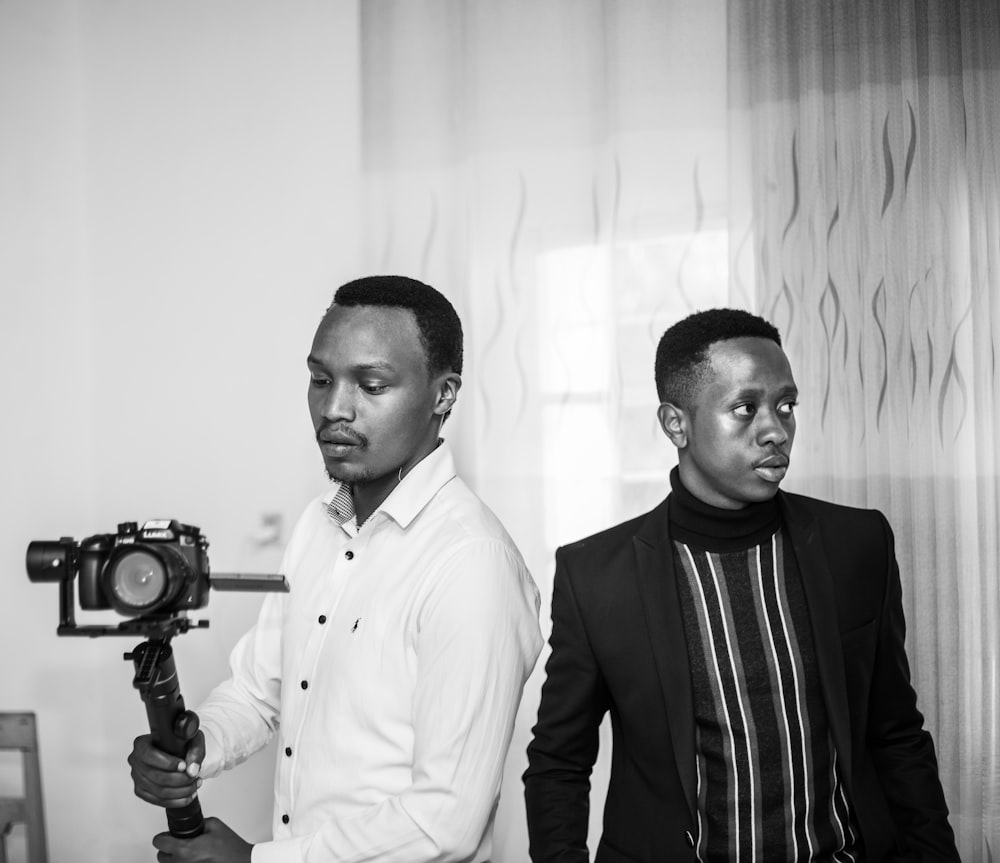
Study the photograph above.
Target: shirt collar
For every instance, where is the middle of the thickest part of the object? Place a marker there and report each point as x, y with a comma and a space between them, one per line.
419, 485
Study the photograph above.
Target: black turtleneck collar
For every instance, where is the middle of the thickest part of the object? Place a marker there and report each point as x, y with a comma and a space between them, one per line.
710, 528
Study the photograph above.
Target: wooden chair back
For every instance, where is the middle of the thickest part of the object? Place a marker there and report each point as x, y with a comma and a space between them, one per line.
18, 732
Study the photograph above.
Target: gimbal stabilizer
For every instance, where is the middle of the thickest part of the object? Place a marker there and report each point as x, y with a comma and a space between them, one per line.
153, 576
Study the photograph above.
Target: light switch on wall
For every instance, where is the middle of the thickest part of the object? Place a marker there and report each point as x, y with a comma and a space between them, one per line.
269, 531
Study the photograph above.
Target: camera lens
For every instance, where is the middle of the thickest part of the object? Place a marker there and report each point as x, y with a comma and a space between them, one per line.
137, 581
48, 560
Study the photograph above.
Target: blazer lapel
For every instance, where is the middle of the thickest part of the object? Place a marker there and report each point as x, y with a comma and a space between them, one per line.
661, 607
817, 581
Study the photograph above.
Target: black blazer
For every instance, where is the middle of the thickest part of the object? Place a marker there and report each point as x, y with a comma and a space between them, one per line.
618, 645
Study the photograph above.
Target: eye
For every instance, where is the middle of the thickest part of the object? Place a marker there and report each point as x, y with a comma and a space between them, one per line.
786, 409
745, 411
374, 389
318, 381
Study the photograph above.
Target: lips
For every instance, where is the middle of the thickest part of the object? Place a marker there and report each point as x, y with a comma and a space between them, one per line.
339, 443
772, 469
338, 436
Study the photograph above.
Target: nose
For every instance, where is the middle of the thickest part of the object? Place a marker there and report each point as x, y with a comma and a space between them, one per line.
773, 429
337, 403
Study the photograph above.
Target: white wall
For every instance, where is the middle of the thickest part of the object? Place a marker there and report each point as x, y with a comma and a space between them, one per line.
178, 186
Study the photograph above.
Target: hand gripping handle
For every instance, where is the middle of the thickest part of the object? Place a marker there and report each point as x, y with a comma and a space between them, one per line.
170, 724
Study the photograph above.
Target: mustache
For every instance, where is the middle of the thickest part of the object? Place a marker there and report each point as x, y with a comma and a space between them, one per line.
337, 432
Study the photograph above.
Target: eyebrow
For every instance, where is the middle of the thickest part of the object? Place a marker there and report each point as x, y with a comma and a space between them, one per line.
744, 392
374, 366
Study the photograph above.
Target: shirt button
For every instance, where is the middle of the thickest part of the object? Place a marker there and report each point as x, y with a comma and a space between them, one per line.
304, 684
322, 618
288, 751
689, 838
285, 819
349, 555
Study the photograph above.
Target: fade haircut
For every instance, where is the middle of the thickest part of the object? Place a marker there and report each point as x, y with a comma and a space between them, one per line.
437, 321
682, 361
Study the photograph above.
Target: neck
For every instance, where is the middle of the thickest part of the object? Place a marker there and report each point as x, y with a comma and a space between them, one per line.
370, 494
695, 522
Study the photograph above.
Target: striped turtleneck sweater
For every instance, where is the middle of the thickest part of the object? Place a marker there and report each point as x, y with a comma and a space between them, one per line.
769, 787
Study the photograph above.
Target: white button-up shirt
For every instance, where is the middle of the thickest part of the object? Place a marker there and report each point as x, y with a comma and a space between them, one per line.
392, 672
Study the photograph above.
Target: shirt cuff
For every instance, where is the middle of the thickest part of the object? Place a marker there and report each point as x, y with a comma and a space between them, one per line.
211, 764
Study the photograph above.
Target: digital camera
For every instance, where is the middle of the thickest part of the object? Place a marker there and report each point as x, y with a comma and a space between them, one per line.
157, 570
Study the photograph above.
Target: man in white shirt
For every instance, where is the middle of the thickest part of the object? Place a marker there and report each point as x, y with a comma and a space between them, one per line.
392, 670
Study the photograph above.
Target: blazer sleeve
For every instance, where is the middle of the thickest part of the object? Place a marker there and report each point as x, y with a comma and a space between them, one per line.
901, 748
564, 747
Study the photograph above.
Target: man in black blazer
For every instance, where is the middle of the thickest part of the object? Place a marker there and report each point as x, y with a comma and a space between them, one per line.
747, 642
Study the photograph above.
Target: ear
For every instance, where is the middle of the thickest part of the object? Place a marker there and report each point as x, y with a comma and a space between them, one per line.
448, 386
674, 422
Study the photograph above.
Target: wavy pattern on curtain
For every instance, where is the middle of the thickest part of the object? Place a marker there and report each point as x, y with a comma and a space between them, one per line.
559, 170
875, 181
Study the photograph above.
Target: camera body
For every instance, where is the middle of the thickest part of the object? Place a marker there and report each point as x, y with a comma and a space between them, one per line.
160, 568
152, 576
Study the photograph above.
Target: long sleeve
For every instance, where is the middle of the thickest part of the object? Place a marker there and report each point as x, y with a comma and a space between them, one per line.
241, 714
564, 747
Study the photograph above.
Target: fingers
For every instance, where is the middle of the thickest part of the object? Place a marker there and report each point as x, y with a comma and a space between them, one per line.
170, 844
169, 790
144, 752
218, 844
160, 778
166, 844
195, 755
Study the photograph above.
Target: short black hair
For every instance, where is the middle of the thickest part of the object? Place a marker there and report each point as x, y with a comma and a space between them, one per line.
682, 354
437, 321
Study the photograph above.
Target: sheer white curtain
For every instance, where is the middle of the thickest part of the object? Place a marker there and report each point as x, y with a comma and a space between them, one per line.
873, 171
571, 174
559, 169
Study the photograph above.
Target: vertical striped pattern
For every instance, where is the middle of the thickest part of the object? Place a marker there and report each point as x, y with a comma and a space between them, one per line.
768, 784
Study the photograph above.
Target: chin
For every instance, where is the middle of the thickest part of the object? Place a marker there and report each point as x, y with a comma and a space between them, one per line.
761, 494
343, 473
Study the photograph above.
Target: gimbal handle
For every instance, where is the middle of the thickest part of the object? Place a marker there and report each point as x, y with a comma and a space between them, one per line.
171, 726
